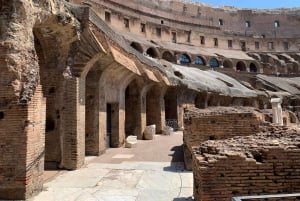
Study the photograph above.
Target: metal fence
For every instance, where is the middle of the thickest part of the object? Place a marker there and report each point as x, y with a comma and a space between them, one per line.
173, 123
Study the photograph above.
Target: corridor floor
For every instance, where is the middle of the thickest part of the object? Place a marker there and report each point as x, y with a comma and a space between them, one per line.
153, 171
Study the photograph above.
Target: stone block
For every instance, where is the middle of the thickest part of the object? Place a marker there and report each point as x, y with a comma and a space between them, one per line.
149, 132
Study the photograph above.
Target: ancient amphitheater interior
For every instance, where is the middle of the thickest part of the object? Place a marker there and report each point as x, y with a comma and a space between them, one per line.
79, 76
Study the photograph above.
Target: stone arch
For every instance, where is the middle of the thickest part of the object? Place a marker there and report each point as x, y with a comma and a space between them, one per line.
241, 66
213, 63
228, 64
137, 46
200, 61
253, 67
168, 56
184, 59
153, 52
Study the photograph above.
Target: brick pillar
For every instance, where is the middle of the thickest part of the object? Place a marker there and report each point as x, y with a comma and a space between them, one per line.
117, 131
93, 138
73, 124
156, 108
141, 124
22, 143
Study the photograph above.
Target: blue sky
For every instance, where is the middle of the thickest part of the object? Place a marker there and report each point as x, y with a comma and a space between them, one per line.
254, 3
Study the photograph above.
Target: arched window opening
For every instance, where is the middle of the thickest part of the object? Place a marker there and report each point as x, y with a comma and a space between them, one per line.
137, 47
184, 59
152, 52
168, 56
253, 68
240, 66
199, 61
213, 63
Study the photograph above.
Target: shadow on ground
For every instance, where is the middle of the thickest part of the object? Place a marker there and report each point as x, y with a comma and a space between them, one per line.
183, 199
177, 156
177, 164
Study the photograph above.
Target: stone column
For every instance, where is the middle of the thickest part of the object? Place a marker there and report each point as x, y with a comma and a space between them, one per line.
277, 111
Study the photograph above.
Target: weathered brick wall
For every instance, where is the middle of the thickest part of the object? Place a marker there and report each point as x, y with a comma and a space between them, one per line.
22, 134
265, 163
215, 124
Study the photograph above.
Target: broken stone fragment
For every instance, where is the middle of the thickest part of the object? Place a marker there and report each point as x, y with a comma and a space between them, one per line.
167, 130
131, 141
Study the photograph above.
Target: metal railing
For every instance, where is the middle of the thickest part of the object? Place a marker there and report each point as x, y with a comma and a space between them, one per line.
173, 123
241, 198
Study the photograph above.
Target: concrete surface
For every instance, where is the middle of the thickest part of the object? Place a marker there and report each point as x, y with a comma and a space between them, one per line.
153, 171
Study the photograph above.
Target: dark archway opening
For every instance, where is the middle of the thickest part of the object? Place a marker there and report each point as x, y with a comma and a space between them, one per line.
184, 59
168, 56
152, 52
253, 68
200, 61
214, 63
137, 47
241, 66
171, 108
201, 100
1, 115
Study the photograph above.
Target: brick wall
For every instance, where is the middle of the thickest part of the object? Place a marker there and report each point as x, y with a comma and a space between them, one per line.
22, 137
217, 123
265, 163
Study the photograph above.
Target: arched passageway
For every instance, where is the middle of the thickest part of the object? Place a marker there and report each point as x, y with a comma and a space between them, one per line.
213, 63
168, 56
184, 59
241, 66
152, 52
171, 108
200, 61
138, 47
253, 68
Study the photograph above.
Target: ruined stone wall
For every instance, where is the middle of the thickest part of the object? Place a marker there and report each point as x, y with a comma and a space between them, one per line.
216, 123
265, 163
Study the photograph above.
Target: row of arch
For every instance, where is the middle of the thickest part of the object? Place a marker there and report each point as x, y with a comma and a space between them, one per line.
185, 59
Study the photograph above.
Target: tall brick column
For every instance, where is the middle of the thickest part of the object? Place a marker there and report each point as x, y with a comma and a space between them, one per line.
156, 108
73, 124
92, 129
